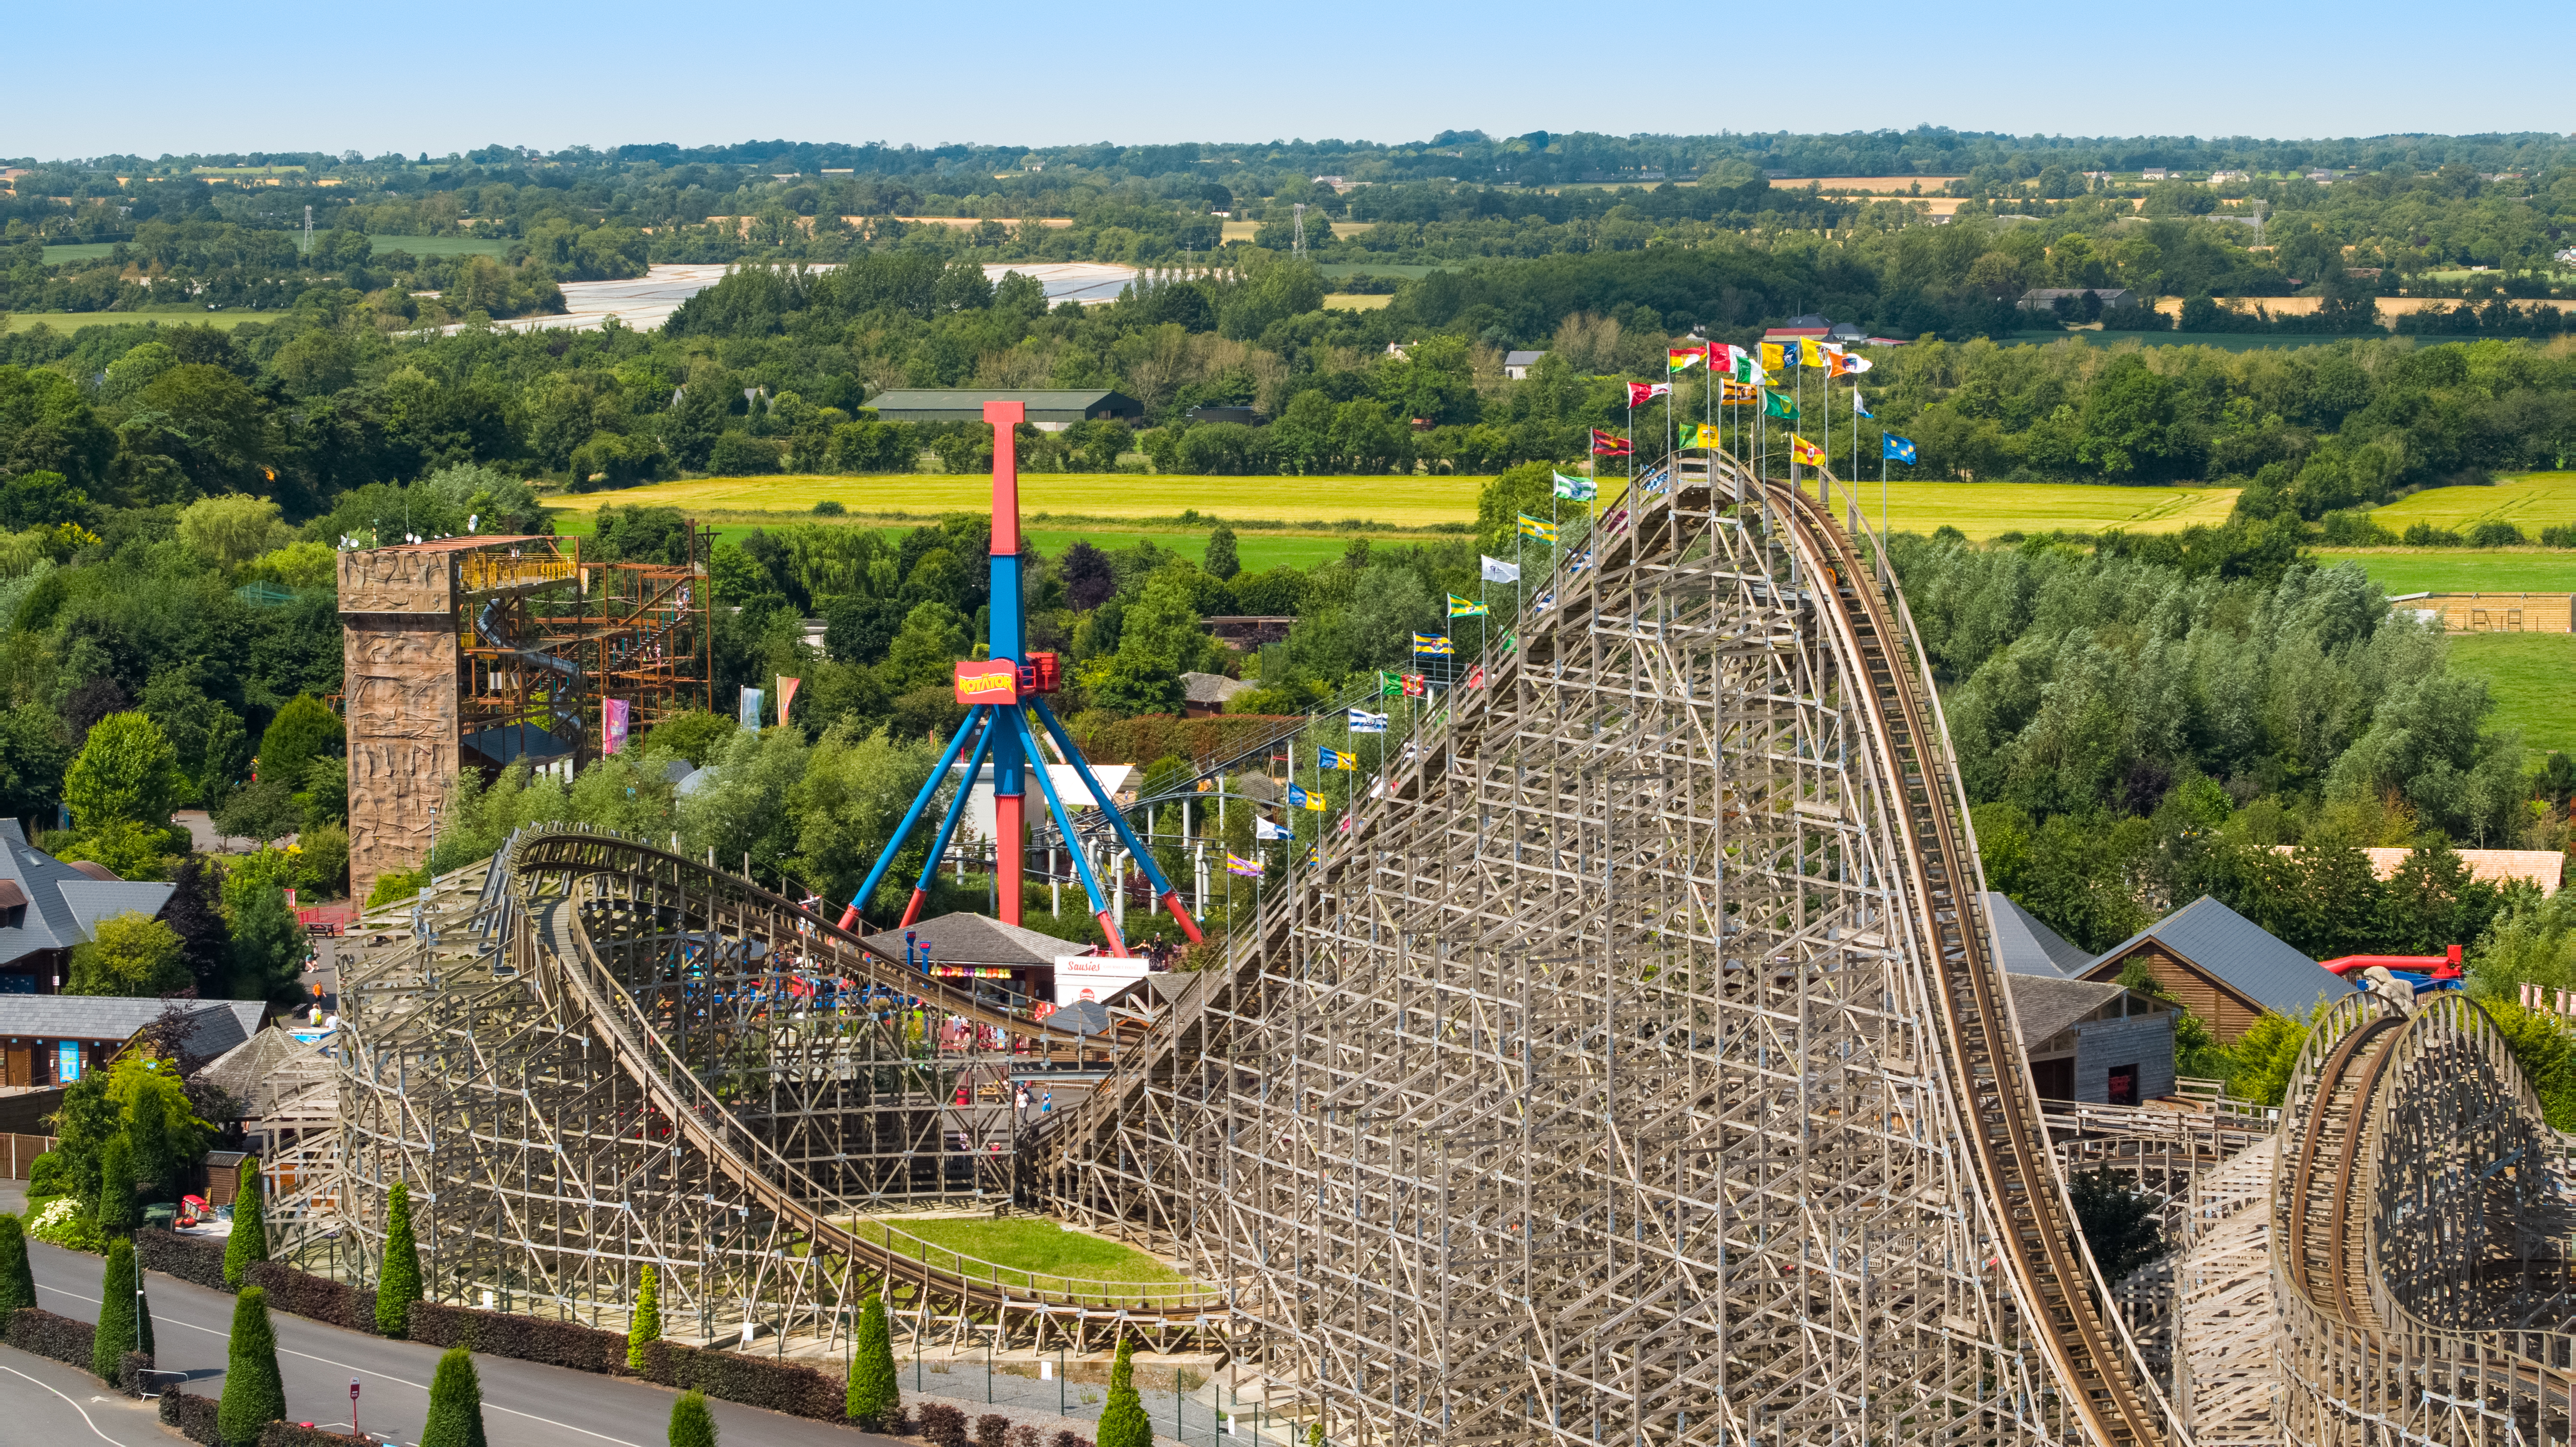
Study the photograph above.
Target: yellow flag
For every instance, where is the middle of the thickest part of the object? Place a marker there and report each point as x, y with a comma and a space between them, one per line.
1801, 450
1771, 357
1700, 434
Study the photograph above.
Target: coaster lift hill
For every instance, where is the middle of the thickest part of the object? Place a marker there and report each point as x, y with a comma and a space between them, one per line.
1005, 697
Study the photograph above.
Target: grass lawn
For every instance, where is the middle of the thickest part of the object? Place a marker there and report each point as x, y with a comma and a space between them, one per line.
2530, 502
442, 245
74, 321
1035, 1247
1375, 268
77, 251
2223, 341
1356, 301
2466, 570
1256, 551
1400, 501
2527, 673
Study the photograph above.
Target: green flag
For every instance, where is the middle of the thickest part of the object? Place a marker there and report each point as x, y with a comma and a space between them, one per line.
1777, 404
1389, 686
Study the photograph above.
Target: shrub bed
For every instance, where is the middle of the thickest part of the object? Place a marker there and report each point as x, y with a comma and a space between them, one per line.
334, 1303
523, 1338
295, 1434
192, 1259
129, 1372
776, 1386
941, 1425
34, 1329
192, 1417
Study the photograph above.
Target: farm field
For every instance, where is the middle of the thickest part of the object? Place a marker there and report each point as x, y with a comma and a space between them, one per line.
2465, 570
1984, 509
1400, 501
2527, 675
442, 245
74, 321
1356, 301
77, 251
2530, 502
1256, 551
1375, 268
2222, 341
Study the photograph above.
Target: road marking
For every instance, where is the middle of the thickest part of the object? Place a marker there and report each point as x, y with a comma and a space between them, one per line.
75, 1406
344, 1366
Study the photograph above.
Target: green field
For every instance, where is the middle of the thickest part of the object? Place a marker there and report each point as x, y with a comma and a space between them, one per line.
1375, 268
74, 321
2466, 570
1029, 1247
2527, 674
2530, 502
77, 251
443, 245
2222, 341
1399, 501
1256, 551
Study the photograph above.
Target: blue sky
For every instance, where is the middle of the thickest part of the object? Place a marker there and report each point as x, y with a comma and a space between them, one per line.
154, 77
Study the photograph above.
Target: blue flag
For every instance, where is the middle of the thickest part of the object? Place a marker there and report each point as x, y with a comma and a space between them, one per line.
1896, 449
1332, 759
1862, 406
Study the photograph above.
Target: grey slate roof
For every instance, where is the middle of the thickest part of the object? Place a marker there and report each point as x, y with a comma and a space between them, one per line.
1212, 687
966, 404
2028, 947
64, 905
2238, 953
974, 939
219, 1025
2046, 1005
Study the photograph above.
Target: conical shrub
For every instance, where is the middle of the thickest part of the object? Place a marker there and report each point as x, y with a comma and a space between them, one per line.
249, 1241
117, 1331
17, 1277
399, 1284
1122, 1420
455, 1403
254, 1393
647, 1325
692, 1425
117, 1211
876, 1394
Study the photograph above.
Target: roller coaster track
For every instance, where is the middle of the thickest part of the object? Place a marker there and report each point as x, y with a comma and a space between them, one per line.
1095, 1158
2421, 1226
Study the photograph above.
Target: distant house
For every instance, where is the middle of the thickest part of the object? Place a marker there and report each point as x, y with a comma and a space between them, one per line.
2093, 1042
1048, 410
47, 907
1243, 631
57, 1039
2322, 178
1001, 964
2043, 298
1205, 694
2223, 968
1800, 328
2218, 176
2155, 173
1516, 365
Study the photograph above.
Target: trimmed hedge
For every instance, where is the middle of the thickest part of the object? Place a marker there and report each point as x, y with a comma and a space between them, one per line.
941, 1424
521, 1338
773, 1385
318, 1298
130, 1368
34, 1329
192, 1259
192, 1417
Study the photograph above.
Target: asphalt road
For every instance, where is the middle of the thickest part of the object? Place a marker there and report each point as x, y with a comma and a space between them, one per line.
524, 1405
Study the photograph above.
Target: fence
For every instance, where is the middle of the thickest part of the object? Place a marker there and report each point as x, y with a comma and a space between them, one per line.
18, 1154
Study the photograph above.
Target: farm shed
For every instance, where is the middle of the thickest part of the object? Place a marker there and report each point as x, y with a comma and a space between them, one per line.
1049, 410
2092, 1041
2222, 967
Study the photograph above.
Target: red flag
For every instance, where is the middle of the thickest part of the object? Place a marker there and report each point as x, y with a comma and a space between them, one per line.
1416, 685
1606, 444
1476, 676
1641, 393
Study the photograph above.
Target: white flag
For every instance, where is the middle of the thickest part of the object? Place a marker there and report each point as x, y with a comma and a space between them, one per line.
1498, 571
1365, 722
1264, 829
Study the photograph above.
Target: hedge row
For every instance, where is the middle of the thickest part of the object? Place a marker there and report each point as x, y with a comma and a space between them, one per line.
192, 1417
317, 1298
522, 1338
130, 1368
192, 1259
294, 1434
754, 1382
33, 1329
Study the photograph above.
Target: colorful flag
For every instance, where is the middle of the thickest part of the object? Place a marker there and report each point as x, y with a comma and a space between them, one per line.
1476, 676
1801, 450
1365, 722
1237, 864
1847, 365
1495, 570
1416, 686
751, 710
1264, 829
1812, 354
1301, 797
1641, 393
1780, 404
1532, 528
1433, 643
1308, 858
1700, 434
613, 716
1682, 359
786, 695
1608, 444
1579, 489
1732, 393
1388, 685
1465, 607
1861, 406
1335, 759
1896, 449
1774, 356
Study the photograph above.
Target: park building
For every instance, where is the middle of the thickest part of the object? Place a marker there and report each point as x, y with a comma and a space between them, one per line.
47, 907
1049, 409
2089, 1041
